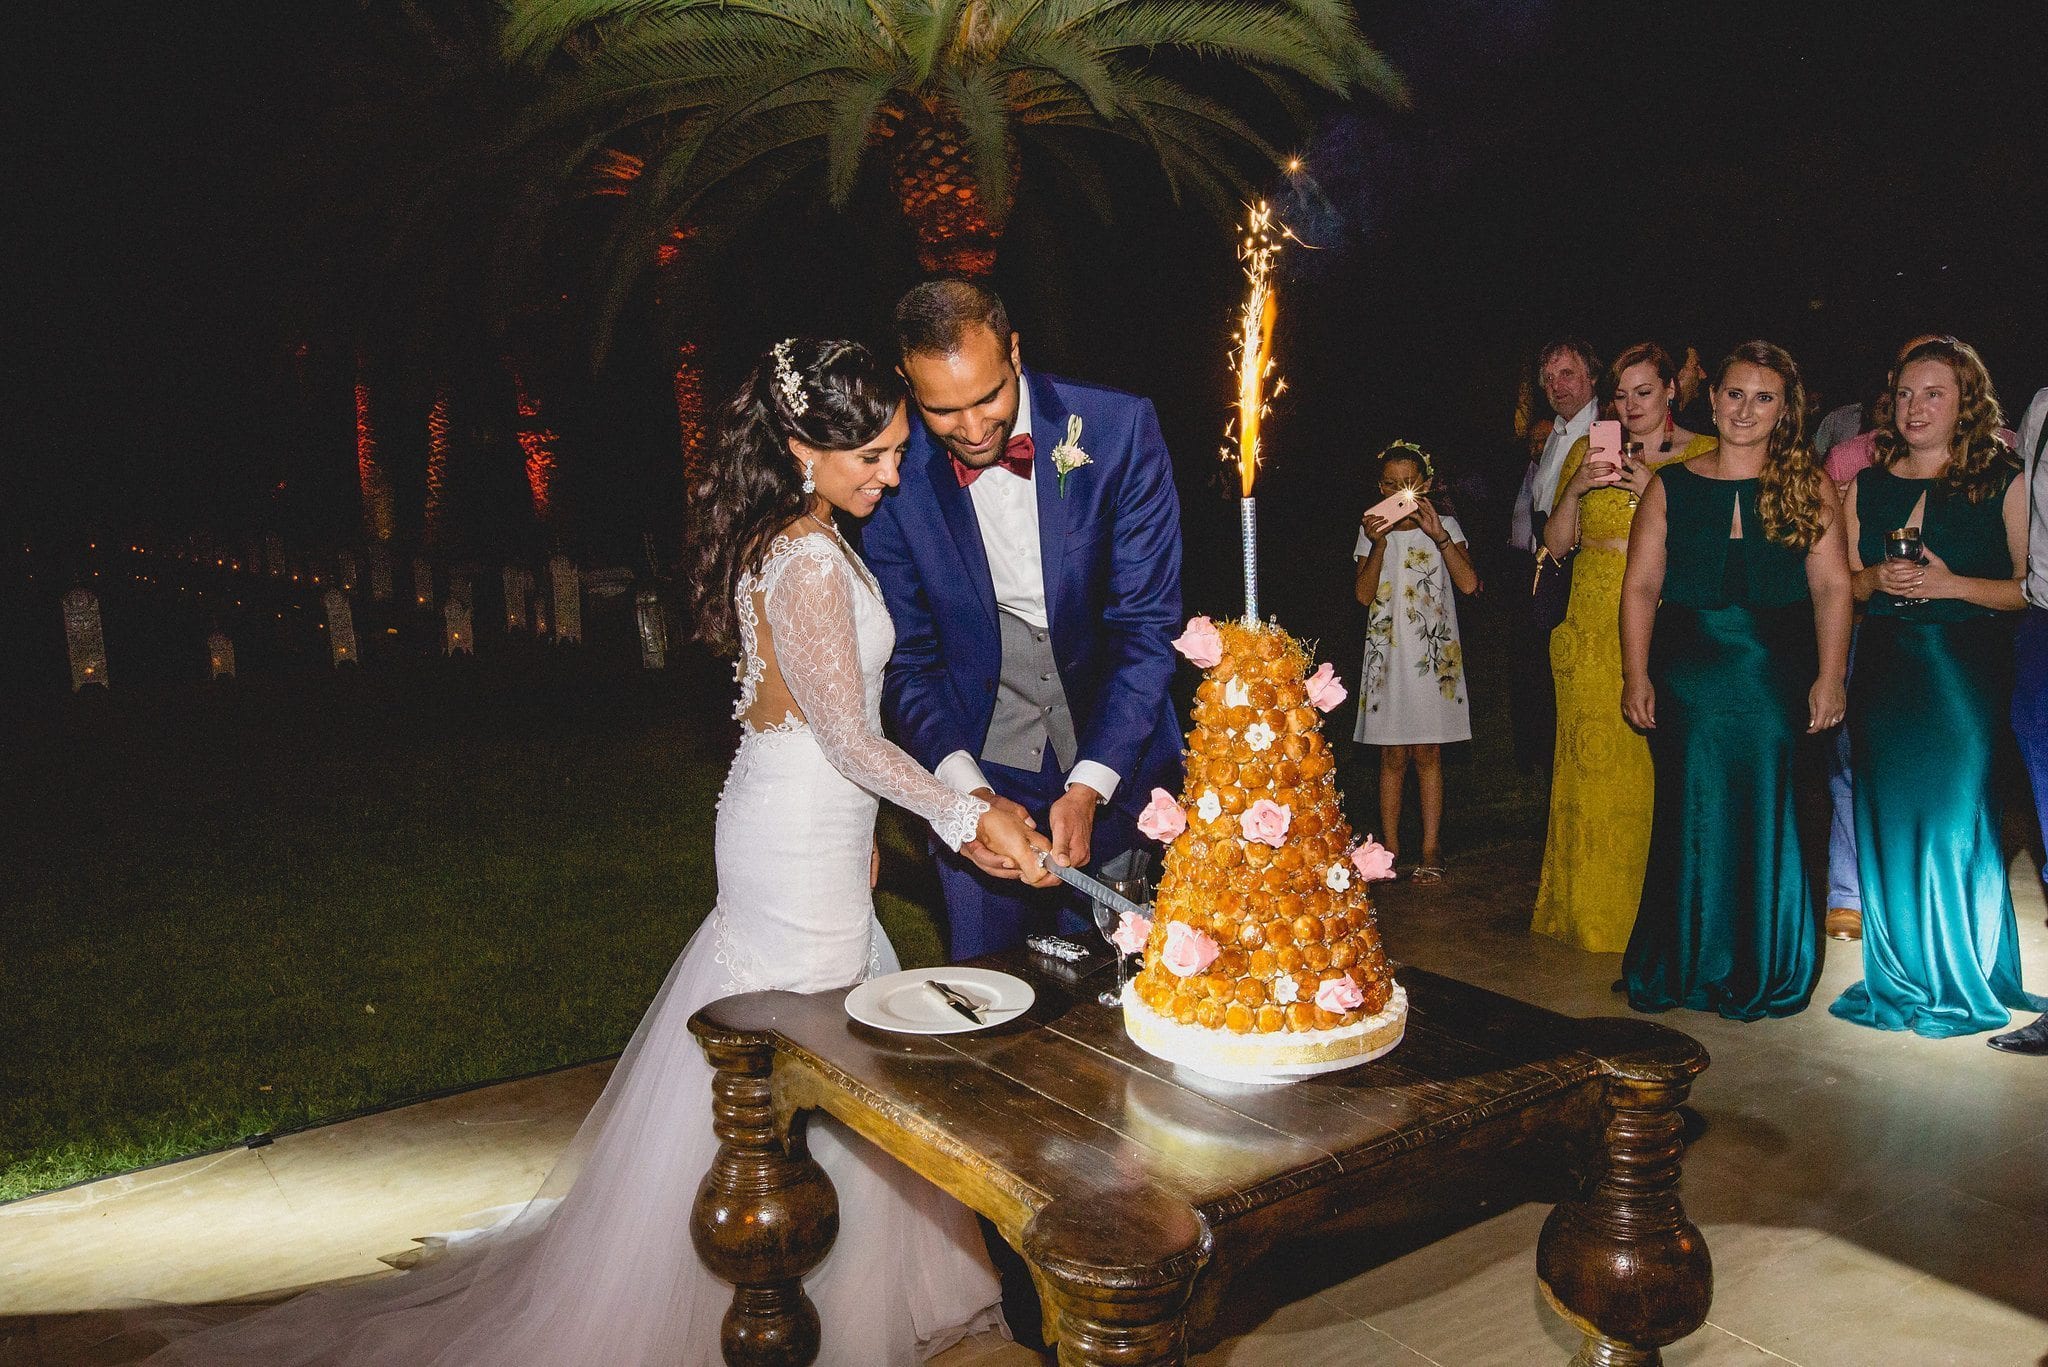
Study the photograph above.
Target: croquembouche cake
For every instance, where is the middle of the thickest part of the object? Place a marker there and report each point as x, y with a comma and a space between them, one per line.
1262, 962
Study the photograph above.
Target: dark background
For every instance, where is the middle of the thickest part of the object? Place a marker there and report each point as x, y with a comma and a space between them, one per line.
192, 181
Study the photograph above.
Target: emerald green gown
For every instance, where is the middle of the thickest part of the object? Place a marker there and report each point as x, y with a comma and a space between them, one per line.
1727, 920
1940, 943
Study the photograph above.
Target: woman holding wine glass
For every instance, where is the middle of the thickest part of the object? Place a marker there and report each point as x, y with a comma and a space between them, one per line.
1734, 639
1938, 545
1599, 832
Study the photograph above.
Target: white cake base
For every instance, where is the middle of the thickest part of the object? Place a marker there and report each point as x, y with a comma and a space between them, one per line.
1283, 1056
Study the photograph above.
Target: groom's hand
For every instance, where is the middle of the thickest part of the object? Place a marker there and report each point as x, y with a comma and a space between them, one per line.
986, 859
1073, 824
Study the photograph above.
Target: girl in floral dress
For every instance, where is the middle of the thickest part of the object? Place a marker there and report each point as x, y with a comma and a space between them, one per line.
1413, 696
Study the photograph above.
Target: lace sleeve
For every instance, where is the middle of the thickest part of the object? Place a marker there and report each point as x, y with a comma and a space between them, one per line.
810, 611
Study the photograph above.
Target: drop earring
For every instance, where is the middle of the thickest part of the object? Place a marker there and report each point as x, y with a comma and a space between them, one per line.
810, 485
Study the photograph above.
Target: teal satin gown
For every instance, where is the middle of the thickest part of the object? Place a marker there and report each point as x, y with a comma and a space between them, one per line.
1727, 921
1940, 942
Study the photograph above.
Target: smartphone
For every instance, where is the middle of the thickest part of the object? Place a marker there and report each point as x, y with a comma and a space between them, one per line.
1604, 442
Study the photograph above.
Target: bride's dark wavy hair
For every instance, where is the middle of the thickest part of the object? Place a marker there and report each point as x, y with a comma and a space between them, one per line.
751, 486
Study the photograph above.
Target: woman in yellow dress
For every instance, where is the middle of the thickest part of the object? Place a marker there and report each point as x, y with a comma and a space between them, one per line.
1600, 790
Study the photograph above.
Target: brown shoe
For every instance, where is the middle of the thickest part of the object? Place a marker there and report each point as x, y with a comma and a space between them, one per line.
1843, 923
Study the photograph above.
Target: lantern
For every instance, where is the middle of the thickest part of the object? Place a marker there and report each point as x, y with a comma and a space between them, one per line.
85, 639
568, 599
220, 655
653, 631
516, 586
455, 628
341, 627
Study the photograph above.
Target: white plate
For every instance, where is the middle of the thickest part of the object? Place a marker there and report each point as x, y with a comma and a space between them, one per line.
901, 1002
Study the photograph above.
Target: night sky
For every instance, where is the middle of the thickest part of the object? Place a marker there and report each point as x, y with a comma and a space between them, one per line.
1814, 174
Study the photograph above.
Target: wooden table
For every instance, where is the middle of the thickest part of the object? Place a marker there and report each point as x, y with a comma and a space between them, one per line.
1136, 1191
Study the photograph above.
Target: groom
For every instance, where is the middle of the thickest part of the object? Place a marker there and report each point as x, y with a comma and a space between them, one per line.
1031, 560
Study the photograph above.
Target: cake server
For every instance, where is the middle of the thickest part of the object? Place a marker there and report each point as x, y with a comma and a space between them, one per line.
1094, 887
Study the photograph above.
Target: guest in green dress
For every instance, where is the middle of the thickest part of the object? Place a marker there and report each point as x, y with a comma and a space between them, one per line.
1734, 640
1940, 943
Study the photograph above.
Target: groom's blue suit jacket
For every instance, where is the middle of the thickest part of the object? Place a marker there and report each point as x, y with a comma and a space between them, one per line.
1110, 550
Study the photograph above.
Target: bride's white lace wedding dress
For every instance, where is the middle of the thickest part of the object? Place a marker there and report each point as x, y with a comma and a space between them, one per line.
598, 1271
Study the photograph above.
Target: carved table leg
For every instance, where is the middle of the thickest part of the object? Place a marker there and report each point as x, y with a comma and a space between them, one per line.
1625, 1266
766, 1213
1119, 1268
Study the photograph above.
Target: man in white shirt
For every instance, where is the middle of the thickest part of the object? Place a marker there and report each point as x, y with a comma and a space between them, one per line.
1566, 370
2030, 673
1031, 561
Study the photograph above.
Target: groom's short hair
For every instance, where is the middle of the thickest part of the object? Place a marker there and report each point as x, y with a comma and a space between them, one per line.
936, 315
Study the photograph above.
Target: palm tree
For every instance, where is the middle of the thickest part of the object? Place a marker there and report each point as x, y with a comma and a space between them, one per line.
730, 100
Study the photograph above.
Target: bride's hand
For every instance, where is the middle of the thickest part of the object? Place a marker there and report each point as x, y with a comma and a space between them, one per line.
874, 867
1012, 840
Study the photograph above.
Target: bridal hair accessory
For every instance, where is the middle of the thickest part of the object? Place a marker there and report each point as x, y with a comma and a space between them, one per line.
790, 385
1421, 458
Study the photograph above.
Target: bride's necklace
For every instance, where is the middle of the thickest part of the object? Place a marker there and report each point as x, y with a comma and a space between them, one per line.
823, 526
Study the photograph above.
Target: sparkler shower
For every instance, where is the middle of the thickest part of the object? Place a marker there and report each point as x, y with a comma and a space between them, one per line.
1259, 250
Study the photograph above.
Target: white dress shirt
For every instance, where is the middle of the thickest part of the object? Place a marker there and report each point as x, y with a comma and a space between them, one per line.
1539, 487
2036, 476
1559, 445
1006, 509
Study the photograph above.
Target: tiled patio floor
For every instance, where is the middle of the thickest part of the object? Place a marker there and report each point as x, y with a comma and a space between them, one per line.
1869, 1199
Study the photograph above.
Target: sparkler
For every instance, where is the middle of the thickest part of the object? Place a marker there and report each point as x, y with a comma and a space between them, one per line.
1259, 250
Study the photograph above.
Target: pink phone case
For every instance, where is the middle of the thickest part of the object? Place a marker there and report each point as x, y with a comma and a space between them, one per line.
1604, 443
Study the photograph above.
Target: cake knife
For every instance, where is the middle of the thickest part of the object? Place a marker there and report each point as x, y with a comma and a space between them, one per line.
1095, 888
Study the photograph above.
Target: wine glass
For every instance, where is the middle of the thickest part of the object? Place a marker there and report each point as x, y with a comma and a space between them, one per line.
1106, 919
1903, 543
1631, 456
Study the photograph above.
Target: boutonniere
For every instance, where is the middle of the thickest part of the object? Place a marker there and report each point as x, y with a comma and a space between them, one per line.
1068, 456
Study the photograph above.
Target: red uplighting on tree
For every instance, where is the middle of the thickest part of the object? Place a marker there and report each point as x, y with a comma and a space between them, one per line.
378, 518
690, 405
437, 462
538, 443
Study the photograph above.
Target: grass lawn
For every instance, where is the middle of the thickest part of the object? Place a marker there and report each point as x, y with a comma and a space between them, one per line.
238, 911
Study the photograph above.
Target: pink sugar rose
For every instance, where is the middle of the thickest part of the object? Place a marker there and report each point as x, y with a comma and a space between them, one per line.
1372, 861
1187, 950
1266, 821
1162, 818
1339, 995
1132, 930
1325, 689
1200, 643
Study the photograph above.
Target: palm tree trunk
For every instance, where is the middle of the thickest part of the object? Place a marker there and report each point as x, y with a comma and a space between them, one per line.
937, 191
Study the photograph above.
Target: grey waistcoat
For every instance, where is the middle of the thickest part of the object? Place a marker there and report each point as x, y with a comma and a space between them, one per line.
1031, 706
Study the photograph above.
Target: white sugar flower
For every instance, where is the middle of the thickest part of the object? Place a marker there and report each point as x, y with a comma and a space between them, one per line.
1235, 694
1338, 878
1208, 808
1284, 990
1259, 736
1068, 456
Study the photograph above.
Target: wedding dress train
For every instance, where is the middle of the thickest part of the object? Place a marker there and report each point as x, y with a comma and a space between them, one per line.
598, 1271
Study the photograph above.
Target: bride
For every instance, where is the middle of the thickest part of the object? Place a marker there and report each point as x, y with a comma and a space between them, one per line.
598, 1271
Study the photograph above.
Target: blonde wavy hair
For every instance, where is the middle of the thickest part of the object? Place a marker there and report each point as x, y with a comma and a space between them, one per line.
1789, 493
1978, 460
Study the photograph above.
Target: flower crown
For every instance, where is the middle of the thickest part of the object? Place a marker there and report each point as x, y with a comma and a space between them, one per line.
787, 382
1421, 457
